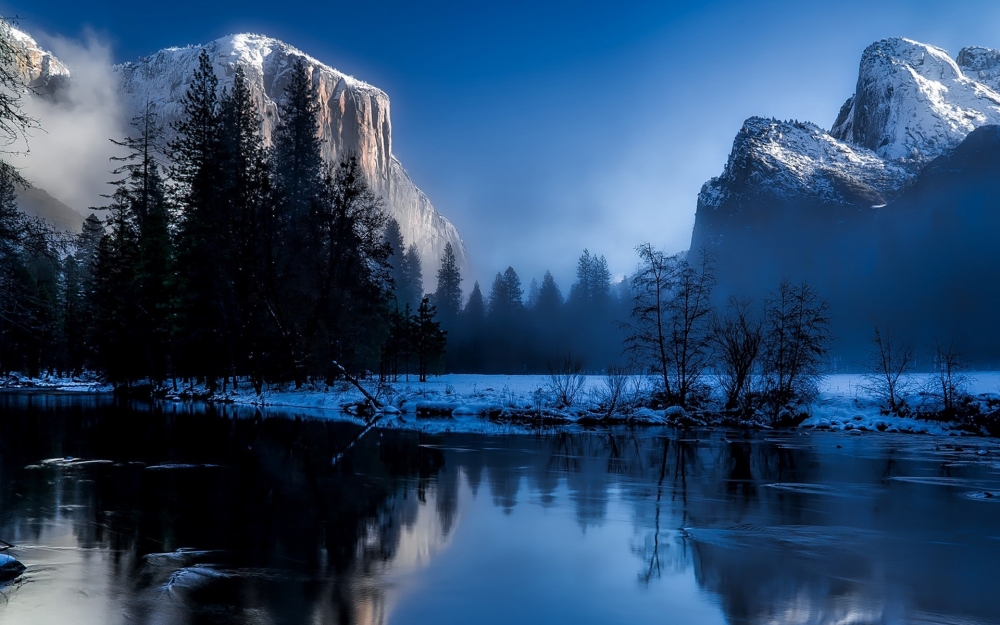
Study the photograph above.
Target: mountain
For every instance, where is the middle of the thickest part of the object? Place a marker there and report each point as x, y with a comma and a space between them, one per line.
354, 115
42, 71
37, 203
891, 211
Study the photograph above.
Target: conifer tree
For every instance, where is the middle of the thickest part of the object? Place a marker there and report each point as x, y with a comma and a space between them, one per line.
475, 309
448, 295
550, 298
202, 241
254, 228
116, 312
411, 290
506, 295
297, 301
149, 215
428, 338
350, 313
297, 148
77, 281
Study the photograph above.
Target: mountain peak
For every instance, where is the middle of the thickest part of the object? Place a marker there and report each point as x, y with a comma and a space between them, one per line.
913, 102
353, 118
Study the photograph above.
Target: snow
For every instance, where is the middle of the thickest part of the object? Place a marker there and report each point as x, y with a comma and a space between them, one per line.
353, 116
913, 103
85, 384
791, 158
499, 403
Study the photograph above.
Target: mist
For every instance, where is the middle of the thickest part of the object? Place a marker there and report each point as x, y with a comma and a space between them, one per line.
68, 155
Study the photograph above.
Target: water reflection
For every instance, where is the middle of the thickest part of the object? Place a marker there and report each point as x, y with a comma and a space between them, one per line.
204, 515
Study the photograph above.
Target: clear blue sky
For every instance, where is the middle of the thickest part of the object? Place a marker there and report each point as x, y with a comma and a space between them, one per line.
540, 128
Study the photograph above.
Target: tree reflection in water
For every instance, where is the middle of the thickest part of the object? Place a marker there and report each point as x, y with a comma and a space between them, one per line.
773, 529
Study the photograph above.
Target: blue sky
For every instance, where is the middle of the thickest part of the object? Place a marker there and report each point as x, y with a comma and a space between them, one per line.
542, 128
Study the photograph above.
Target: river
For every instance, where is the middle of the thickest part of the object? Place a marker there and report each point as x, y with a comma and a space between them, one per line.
173, 513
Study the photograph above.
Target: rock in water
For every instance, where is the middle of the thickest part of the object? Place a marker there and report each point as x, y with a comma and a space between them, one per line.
10, 568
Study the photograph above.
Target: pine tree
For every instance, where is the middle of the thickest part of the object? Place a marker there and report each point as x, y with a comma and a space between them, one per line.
296, 301
77, 315
394, 239
202, 241
592, 288
153, 278
255, 230
350, 314
411, 291
114, 333
506, 295
429, 339
550, 298
448, 295
297, 148
475, 308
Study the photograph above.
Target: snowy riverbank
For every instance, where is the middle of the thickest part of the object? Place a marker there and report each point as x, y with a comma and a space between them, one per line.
468, 402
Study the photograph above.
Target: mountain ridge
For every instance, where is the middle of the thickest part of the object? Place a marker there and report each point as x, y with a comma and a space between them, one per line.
354, 116
842, 208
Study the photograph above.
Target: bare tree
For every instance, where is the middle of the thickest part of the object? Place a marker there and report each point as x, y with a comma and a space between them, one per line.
796, 336
738, 338
951, 382
690, 314
14, 122
886, 368
669, 332
648, 332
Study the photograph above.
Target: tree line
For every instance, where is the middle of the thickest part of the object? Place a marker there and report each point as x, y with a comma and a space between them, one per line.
223, 260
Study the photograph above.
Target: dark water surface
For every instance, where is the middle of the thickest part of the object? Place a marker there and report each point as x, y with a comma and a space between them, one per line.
175, 514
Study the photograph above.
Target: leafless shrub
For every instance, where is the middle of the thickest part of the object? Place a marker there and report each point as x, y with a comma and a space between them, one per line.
565, 379
612, 395
885, 370
951, 382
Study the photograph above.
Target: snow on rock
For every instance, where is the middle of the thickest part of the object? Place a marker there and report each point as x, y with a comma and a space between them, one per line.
353, 116
913, 102
39, 68
784, 158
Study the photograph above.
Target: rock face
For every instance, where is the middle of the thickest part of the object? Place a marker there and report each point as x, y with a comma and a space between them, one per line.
913, 102
40, 70
840, 209
353, 115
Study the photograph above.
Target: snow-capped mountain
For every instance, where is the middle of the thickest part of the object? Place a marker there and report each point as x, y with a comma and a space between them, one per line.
353, 115
772, 157
913, 103
42, 71
890, 211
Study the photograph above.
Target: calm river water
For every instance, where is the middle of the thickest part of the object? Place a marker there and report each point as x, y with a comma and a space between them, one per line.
172, 514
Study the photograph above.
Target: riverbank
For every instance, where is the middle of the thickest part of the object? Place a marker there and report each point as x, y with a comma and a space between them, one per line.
487, 403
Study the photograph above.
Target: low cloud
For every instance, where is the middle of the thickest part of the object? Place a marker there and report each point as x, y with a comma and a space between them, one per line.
69, 155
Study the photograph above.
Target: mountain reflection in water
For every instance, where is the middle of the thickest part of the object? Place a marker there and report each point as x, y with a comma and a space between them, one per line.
177, 514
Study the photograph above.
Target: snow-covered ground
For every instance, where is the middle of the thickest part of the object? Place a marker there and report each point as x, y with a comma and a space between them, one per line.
487, 403
85, 383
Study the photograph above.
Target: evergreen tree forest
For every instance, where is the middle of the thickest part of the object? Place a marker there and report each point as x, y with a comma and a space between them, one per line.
221, 261
216, 259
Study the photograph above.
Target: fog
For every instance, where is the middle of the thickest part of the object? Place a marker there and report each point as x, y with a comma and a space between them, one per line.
68, 155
